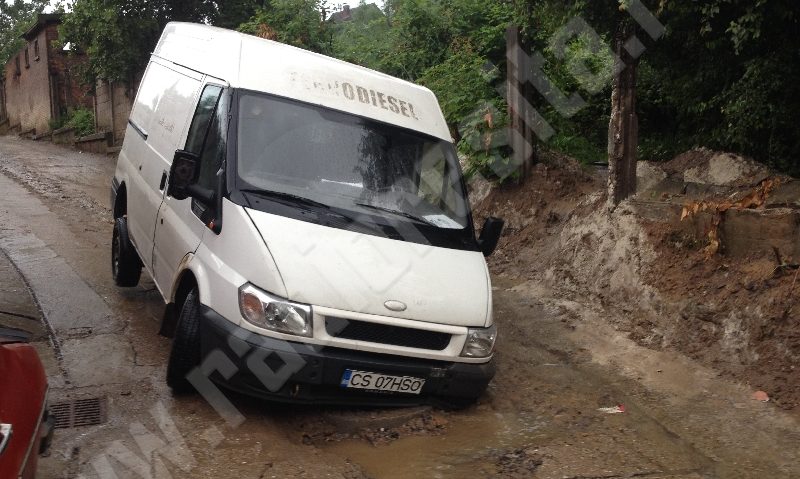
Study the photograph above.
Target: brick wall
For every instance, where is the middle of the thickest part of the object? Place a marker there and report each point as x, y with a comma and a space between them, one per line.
45, 86
68, 93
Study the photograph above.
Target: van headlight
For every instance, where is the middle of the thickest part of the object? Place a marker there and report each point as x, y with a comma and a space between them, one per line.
480, 342
264, 310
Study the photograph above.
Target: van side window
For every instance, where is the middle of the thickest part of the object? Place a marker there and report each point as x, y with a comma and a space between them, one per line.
203, 115
214, 149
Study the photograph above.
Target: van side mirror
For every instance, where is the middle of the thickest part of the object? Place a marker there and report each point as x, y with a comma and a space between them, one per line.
183, 173
490, 235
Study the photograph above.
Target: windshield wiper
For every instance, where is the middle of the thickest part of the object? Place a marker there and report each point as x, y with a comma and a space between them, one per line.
280, 195
394, 212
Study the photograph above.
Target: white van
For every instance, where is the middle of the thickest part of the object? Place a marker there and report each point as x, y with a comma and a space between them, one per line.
306, 221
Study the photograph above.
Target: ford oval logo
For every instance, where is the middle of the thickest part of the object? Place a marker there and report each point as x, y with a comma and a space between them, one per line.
395, 305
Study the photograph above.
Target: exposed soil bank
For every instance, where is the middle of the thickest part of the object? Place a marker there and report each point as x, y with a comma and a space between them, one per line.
652, 274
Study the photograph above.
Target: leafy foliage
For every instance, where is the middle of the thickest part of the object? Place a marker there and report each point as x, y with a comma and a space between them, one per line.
294, 22
484, 143
118, 35
16, 16
364, 40
727, 74
723, 75
80, 119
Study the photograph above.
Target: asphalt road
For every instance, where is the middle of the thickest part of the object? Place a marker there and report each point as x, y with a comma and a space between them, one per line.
546, 414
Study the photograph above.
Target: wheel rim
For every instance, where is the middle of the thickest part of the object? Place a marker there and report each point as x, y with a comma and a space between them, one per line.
115, 254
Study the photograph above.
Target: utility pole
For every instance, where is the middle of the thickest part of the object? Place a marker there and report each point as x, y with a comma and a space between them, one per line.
623, 127
517, 90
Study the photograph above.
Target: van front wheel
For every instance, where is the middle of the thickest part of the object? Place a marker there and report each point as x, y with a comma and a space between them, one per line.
185, 354
126, 268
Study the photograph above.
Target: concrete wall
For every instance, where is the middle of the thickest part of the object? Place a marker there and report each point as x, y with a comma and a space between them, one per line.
113, 104
64, 136
3, 116
28, 99
96, 143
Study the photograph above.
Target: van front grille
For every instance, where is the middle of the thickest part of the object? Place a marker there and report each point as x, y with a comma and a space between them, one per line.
385, 334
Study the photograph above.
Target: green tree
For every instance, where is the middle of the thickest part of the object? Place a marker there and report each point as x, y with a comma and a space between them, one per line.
420, 38
364, 40
15, 17
727, 71
294, 22
118, 35
232, 14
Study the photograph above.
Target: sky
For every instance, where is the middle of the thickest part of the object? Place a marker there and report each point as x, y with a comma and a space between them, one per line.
332, 3
353, 3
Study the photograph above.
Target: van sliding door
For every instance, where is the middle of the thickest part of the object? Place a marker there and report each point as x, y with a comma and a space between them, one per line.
180, 226
158, 122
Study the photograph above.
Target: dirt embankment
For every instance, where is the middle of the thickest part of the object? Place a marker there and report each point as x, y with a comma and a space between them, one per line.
650, 267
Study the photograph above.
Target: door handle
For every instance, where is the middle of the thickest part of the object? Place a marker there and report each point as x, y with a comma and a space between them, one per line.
163, 181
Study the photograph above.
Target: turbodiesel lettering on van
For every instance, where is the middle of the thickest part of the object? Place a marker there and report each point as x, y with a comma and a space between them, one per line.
378, 99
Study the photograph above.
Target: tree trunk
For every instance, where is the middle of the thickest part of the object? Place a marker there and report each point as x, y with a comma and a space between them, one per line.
623, 127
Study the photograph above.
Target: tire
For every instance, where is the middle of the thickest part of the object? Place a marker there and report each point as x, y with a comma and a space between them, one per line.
185, 354
126, 268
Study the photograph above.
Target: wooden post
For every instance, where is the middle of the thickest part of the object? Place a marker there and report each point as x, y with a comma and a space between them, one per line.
623, 127
522, 142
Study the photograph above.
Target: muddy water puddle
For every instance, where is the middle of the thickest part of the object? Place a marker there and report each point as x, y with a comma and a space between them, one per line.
471, 438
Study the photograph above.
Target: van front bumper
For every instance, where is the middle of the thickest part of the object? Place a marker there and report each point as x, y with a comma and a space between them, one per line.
296, 372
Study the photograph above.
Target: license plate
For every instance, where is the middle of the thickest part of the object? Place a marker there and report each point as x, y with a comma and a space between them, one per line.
381, 382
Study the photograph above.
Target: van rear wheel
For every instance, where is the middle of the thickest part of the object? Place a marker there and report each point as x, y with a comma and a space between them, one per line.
185, 354
126, 268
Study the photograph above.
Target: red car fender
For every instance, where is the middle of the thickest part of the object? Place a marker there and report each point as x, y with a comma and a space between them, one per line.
23, 399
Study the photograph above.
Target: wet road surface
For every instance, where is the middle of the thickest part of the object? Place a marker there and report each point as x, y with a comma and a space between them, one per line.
546, 414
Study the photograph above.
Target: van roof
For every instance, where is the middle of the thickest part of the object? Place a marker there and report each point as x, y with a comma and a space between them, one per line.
253, 63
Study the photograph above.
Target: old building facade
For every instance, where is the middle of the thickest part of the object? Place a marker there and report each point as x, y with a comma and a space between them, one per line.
41, 83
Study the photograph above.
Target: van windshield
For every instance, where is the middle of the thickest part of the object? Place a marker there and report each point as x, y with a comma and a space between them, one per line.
346, 162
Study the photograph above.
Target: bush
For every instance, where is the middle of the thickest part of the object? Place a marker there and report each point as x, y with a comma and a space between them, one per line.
485, 144
82, 120
579, 147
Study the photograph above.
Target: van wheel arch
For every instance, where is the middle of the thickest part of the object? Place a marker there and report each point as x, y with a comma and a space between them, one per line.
169, 322
121, 203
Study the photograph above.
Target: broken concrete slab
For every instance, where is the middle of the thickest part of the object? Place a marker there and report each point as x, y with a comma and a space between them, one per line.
648, 175
786, 194
754, 233
709, 167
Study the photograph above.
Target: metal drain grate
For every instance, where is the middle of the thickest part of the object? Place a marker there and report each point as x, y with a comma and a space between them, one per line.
79, 412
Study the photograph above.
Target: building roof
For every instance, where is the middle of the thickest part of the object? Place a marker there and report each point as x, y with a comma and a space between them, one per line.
42, 20
252, 63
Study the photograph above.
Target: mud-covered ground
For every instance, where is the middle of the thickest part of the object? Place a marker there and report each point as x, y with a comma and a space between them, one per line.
572, 397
